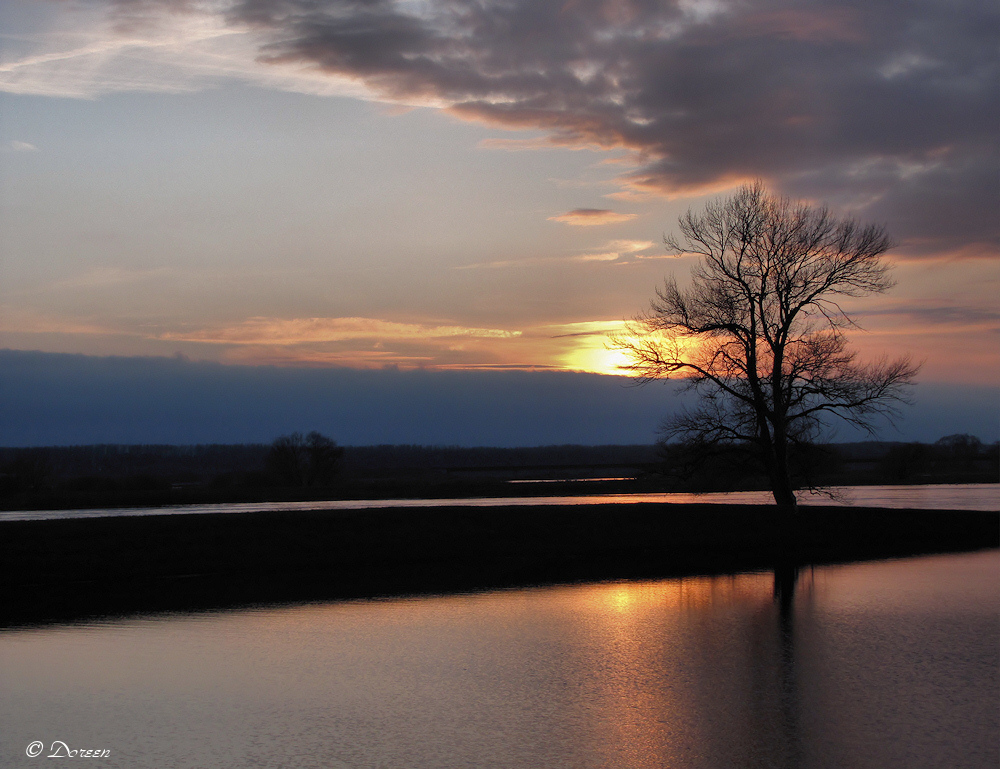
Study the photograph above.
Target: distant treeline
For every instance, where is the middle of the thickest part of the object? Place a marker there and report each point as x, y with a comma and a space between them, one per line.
149, 466
313, 465
729, 467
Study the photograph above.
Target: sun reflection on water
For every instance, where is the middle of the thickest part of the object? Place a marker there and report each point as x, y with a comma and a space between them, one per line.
692, 673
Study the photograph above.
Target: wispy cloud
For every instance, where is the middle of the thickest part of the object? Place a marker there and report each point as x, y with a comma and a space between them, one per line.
372, 343
98, 277
520, 145
293, 331
598, 328
277, 355
540, 261
613, 251
158, 46
941, 317
498, 367
350, 342
591, 217
536, 144
18, 146
630, 246
19, 321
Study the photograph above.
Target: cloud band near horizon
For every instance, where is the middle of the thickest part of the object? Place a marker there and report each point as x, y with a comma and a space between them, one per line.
170, 400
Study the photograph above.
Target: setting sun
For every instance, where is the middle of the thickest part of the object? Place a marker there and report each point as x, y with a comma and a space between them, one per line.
595, 358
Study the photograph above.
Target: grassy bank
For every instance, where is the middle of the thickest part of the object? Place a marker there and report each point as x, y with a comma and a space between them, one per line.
62, 570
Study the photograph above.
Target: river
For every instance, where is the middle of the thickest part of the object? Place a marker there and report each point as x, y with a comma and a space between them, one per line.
877, 665
958, 496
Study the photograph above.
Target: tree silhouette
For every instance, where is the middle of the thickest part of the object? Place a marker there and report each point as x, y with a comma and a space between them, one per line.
759, 333
323, 457
304, 461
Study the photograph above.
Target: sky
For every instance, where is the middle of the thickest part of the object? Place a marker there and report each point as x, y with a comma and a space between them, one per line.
474, 186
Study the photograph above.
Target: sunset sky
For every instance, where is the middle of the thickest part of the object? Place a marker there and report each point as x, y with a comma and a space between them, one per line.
473, 185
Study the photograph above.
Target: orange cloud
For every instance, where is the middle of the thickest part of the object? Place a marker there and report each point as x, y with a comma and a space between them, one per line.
289, 331
590, 217
277, 355
17, 321
642, 186
580, 346
616, 249
819, 25
520, 145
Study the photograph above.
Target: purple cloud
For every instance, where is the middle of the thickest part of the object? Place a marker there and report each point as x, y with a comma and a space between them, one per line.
888, 110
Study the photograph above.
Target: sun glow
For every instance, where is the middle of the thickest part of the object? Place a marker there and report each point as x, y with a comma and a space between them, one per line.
587, 346
595, 358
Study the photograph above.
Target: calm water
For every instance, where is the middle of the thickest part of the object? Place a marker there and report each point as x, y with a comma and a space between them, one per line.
959, 496
882, 665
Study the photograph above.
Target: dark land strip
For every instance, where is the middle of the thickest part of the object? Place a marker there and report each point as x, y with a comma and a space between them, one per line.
68, 570
104, 476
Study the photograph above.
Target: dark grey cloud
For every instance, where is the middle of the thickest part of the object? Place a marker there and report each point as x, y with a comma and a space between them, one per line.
888, 109
57, 399
939, 315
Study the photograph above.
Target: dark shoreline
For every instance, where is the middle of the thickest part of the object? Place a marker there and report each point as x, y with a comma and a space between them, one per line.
69, 570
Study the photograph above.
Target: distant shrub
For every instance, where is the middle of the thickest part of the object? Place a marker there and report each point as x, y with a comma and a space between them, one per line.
312, 460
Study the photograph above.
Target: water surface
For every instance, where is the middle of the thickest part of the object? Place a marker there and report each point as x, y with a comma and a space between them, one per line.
881, 665
958, 496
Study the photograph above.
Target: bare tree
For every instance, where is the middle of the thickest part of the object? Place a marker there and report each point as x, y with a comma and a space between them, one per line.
760, 331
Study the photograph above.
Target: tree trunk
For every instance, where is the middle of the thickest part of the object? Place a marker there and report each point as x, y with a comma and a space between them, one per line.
781, 479
787, 518
776, 465
781, 487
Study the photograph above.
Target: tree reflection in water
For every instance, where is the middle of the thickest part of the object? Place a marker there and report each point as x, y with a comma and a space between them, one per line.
786, 576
